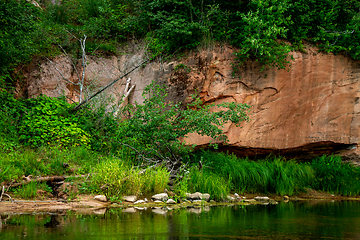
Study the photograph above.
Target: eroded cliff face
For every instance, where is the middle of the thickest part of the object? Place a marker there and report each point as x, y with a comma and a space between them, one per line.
312, 109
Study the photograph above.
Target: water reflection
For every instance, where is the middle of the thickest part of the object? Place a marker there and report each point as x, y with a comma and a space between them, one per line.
292, 220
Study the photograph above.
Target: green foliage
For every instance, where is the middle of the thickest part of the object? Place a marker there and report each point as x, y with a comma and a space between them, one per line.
155, 126
47, 121
334, 176
264, 30
262, 26
30, 191
44, 162
18, 21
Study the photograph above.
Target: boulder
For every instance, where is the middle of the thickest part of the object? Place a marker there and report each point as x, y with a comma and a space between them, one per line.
230, 198
206, 197
101, 198
262, 199
160, 197
170, 201
131, 198
198, 196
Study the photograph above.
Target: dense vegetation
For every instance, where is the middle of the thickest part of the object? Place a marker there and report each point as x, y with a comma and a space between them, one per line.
264, 30
116, 155
39, 135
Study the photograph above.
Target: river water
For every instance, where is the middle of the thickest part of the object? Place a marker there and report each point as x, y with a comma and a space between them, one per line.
292, 220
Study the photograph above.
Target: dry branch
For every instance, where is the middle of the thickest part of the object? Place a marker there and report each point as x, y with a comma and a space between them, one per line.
80, 105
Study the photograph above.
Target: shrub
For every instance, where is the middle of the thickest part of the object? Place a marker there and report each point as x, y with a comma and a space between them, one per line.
46, 121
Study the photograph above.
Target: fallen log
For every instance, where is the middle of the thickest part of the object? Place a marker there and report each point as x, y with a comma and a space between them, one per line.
39, 179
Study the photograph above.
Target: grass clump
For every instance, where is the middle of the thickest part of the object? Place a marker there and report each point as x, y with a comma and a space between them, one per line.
334, 176
270, 175
206, 182
115, 178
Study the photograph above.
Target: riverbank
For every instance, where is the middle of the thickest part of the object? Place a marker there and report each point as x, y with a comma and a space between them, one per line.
87, 204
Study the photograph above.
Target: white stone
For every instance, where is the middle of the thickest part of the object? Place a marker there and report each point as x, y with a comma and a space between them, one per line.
194, 196
101, 198
170, 201
160, 197
206, 197
262, 199
230, 198
139, 202
131, 198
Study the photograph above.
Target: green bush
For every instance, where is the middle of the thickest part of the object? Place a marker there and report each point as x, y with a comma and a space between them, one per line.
46, 121
18, 21
334, 176
156, 126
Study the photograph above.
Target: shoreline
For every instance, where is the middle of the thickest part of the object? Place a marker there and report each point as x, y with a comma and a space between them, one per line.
87, 204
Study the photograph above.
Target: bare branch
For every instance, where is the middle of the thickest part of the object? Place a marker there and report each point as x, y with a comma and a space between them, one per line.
79, 106
60, 72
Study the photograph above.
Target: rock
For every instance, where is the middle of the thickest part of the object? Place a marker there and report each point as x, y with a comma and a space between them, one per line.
145, 199
170, 201
250, 200
139, 202
140, 208
160, 197
198, 196
131, 198
100, 211
286, 198
262, 199
157, 201
236, 195
318, 97
159, 211
206, 197
230, 198
101, 198
129, 210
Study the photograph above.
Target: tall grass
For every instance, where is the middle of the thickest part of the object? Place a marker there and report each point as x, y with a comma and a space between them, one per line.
207, 182
334, 176
269, 175
116, 178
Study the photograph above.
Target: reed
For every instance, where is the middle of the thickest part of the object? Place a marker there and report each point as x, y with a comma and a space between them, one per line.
273, 174
334, 176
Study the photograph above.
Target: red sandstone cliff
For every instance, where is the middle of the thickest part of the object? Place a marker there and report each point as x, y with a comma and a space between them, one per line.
311, 109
